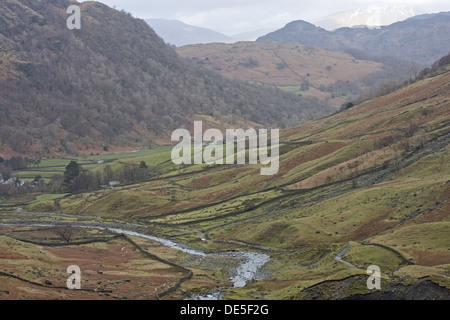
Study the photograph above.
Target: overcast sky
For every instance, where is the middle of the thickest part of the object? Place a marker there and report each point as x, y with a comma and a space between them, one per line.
236, 16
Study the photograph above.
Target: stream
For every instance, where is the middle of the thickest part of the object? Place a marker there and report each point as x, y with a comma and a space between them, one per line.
246, 271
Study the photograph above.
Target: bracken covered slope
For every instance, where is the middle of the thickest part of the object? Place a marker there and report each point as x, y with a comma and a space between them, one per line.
374, 178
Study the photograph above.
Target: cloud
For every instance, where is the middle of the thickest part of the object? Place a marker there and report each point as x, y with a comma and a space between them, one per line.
285, 16
197, 19
236, 16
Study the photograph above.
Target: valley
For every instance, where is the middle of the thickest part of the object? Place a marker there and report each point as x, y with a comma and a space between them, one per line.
371, 178
113, 85
91, 173
307, 71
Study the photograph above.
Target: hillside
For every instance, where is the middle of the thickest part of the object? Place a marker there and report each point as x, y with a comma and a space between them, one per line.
422, 39
180, 34
335, 76
366, 186
112, 85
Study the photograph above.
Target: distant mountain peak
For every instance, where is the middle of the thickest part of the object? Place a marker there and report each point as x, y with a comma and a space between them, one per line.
422, 39
180, 34
301, 23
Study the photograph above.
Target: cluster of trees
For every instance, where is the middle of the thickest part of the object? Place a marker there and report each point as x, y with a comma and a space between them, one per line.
17, 163
17, 139
77, 179
250, 62
397, 75
7, 168
13, 189
441, 63
15, 185
342, 89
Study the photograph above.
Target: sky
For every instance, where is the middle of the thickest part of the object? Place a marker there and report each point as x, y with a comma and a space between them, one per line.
232, 17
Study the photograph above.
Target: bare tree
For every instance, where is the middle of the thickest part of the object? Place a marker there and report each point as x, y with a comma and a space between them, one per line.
108, 174
5, 172
65, 231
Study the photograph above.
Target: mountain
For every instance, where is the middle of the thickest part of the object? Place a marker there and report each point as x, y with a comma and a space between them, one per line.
374, 16
181, 34
422, 39
112, 84
308, 71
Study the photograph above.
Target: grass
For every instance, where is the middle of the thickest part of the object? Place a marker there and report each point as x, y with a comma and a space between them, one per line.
117, 267
364, 256
48, 168
431, 249
283, 65
44, 203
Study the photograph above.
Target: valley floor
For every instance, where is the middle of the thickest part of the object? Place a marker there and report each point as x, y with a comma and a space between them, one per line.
367, 186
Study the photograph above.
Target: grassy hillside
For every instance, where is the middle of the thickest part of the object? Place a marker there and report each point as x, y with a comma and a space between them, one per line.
335, 76
373, 179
